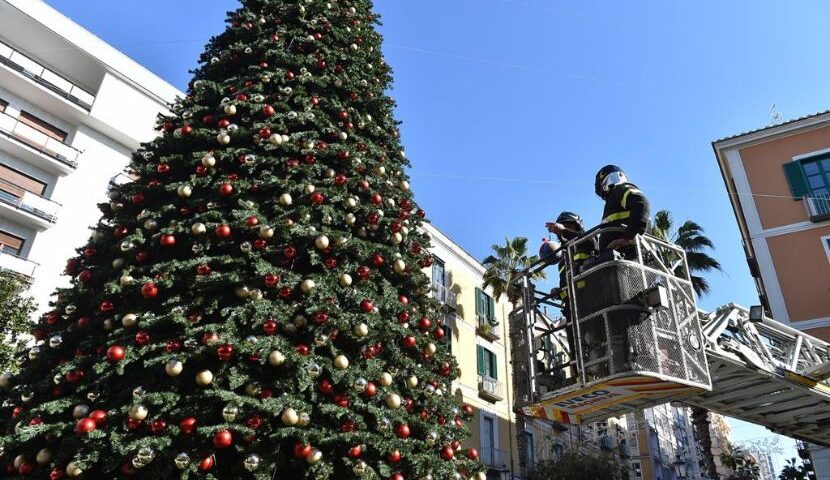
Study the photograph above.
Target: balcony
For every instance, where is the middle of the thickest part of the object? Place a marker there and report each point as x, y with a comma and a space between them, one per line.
488, 327
495, 458
18, 265
490, 389
445, 296
29, 207
44, 150
818, 207
45, 77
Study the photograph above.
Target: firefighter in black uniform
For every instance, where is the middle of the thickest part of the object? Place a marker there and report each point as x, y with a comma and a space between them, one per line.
625, 207
569, 226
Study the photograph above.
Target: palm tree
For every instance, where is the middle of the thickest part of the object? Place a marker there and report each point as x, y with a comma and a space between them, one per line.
690, 237
501, 269
507, 263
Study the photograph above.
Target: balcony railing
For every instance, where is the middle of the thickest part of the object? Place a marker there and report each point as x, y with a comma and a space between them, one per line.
495, 458
488, 327
45, 77
19, 265
29, 202
22, 133
490, 388
818, 207
445, 296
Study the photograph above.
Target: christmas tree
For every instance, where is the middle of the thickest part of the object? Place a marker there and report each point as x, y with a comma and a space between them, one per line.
252, 306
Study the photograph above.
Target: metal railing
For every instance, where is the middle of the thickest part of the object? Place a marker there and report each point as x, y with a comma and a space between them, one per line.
495, 458
18, 131
487, 326
45, 77
490, 387
17, 264
28, 202
444, 295
818, 206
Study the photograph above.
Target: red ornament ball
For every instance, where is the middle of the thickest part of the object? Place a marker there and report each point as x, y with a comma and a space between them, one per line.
116, 353
317, 198
355, 452
222, 438
447, 453
149, 290
394, 456
270, 327
188, 425
142, 338
366, 306
402, 430
302, 451
85, 425
268, 111
226, 189
472, 454
223, 231
225, 352
168, 240
377, 260
207, 463
98, 416
409, 341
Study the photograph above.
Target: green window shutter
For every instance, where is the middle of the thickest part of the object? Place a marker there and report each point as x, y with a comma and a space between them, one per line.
492, 306
480, 353
494, 368
478, 301
796, 179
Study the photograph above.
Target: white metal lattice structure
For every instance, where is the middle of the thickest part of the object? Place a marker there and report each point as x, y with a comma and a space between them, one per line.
767, 373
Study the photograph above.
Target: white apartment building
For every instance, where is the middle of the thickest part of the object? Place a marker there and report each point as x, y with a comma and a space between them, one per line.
72, 110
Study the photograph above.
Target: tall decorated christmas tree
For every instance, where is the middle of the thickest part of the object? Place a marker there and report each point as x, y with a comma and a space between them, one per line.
252, 306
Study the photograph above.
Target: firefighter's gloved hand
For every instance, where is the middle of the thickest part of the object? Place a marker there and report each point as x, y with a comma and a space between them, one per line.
620, 243
554, 227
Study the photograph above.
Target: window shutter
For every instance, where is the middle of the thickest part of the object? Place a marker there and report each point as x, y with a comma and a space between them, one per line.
796, 179
478, 301
492, 306
480, 352
494, 368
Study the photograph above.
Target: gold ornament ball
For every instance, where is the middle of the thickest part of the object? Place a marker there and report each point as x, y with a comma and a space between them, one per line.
385, 379
397, 238
256, 294
18, 461
321, 242
126, 280
73, 470
359, 467
399, 266
361, 330
174, 368
276, 358
480, 476
150, 225
6, 380
230, 109
412, 381
304, 419
289, 417
266, 232
223, 138
307, 285
341, 362
351, 202
350, 219
345, 280
315, 457
118, 263
309, 189
404, 185
275, 139
286, 200
198, 229
252, 390
138, 412
204, 378
393, 401
430, 349
129, 320
208, 160
184, 191
80, 411
44, 456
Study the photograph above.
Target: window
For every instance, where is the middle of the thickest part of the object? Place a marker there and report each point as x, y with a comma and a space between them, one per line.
10, 243
825, 241
488, 440
487, 366
447, 336
17, 183
531, 448
439, 273
810, 178
3, 105
485, 307
638, 470
43, 126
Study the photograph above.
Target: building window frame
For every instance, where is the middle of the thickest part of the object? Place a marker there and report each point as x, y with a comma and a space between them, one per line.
637, 469
825, 242
6, 248
42, 126
487, 362
530, 439
808, 177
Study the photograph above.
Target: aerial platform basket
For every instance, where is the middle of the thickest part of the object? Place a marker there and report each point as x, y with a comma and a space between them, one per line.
635, 340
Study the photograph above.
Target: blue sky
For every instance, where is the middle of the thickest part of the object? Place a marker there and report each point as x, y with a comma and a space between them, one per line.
510, 106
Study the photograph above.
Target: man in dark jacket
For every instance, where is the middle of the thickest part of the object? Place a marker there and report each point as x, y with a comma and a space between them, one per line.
625, 207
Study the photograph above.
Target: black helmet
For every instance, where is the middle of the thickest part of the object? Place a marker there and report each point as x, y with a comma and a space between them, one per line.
607, 177
572, 218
